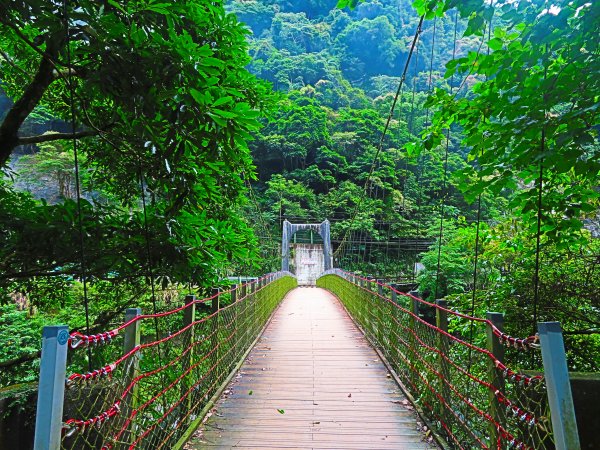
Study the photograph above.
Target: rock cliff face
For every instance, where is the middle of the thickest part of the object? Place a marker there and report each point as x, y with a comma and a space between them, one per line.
593, 225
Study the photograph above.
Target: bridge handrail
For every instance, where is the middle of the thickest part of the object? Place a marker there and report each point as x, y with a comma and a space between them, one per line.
529, 342
155, 390
78, 339
433, 365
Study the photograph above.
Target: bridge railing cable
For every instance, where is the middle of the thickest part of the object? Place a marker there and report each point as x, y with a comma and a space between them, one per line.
160, 387
468, 391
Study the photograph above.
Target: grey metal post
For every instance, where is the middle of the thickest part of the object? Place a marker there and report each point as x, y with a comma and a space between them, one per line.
51, 389
495, 378
560, 398
379, 304
394, 296
236, 325
441, 321
285, 245
189, 317
325, 232
131, 339
189, 313
415, 294
414, 308
215, 341
132, 332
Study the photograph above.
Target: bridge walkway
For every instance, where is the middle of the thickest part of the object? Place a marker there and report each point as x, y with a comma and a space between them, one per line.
311, 382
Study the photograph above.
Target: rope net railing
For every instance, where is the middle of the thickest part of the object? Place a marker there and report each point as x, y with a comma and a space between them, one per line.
468, 393
162, 383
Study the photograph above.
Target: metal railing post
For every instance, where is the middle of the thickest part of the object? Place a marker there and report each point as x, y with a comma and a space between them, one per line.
414, 294
255, 309
189, 317
394, 295
381, 305
236, 325
246, 311
441, 321
131, 340
560, 398
414, 308
215, 341
51, 388
495, 377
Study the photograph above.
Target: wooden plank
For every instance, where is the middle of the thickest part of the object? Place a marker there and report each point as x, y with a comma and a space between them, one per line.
312, 381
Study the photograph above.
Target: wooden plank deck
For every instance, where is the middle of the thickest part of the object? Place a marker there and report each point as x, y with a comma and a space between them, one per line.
311, 382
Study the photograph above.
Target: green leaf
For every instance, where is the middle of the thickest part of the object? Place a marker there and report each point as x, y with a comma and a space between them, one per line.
495, 44
225, 114
222, 101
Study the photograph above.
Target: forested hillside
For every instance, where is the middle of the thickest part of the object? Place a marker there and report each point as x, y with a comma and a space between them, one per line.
473, 192
337, 72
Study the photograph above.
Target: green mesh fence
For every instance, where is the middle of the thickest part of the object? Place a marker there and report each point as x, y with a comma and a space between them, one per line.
470, 397
161, 386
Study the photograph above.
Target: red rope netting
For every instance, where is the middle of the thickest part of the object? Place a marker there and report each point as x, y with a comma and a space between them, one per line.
473, 398
151, 394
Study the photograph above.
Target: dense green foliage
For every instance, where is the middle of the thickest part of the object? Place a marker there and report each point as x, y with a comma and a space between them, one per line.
172, 115
336, 70
176, 128
164, 107
539, 75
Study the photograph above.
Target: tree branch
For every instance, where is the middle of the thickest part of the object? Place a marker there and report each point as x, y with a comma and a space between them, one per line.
31, 97
20, 360
47, 137
581, 332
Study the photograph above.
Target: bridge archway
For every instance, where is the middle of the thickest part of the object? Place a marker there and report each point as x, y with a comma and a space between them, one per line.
289, 229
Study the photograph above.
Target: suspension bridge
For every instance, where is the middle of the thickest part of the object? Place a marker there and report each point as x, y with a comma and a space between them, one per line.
345, 362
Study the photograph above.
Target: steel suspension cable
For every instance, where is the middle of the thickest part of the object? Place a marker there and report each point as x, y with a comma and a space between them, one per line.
83, 265
421, 160
272, 243
418, 169
398, 255
444, 181
385, 130
540, 186
149, 262
430, 83
477, 229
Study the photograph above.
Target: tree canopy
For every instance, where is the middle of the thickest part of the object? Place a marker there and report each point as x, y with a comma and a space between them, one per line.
163, 109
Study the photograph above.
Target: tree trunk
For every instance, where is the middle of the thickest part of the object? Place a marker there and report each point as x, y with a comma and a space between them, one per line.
9, 130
